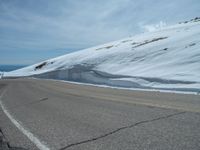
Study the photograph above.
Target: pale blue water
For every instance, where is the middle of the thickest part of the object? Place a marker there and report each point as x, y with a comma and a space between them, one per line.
10, 67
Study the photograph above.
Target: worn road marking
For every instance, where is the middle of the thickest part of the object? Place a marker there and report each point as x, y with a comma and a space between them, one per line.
41, 145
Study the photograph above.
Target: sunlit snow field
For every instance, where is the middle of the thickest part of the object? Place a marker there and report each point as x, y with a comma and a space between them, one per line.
166, 59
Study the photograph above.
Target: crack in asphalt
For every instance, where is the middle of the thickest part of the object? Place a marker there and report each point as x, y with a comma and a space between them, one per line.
119, 129
4, 144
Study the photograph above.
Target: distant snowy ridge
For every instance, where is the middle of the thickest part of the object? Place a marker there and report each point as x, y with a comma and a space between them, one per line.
167, 59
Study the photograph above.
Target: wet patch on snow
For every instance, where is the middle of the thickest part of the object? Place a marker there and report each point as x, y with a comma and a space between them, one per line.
190, 45
107, 47
197, 19
147, 42
40, 66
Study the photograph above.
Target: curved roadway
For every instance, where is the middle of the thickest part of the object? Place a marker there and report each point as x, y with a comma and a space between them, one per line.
44, 114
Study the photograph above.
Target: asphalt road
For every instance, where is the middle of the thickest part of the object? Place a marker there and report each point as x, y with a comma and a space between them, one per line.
42, 114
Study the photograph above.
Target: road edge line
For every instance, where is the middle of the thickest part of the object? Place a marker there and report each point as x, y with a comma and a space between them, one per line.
27, 133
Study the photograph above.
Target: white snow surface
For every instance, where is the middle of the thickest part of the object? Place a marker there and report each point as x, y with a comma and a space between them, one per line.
1, 74
164, 59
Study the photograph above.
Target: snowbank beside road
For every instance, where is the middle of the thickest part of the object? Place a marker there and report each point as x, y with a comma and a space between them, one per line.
165, 59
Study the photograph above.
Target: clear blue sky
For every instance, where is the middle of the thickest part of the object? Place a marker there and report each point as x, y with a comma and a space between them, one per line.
35, 30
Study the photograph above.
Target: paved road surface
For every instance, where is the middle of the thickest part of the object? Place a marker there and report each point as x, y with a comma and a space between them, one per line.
42, 114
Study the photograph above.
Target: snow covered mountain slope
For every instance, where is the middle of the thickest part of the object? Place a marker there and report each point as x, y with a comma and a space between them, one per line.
164, 59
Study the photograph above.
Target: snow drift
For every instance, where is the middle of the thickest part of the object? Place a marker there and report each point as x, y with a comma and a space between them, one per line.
165, 59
